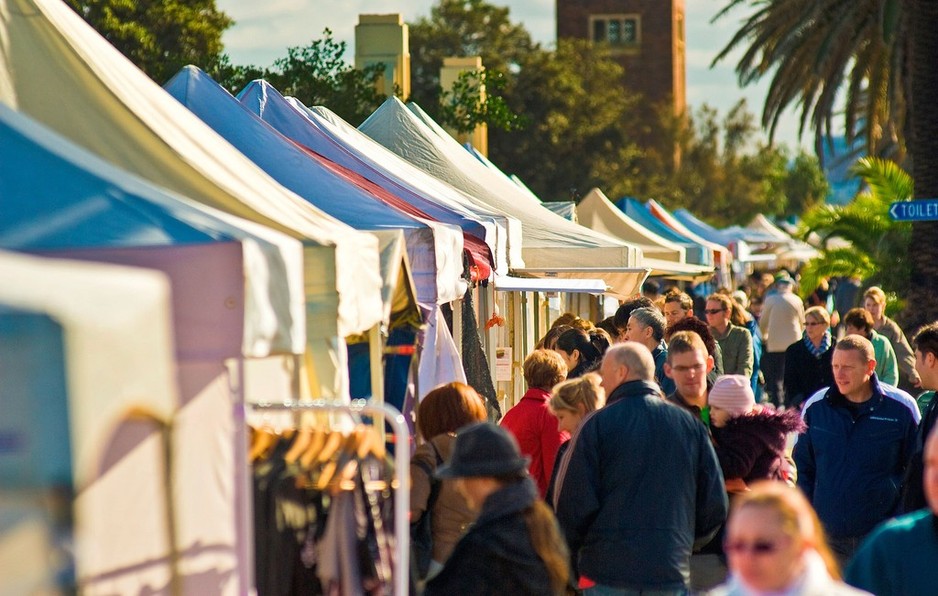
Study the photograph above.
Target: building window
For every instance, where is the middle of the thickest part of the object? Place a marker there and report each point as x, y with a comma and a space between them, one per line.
621, 30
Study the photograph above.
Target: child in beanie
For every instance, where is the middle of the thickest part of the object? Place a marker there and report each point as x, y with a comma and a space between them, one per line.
749, 439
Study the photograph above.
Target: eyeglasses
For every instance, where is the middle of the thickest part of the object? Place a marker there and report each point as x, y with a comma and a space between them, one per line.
714, 311
813, 323
759, 547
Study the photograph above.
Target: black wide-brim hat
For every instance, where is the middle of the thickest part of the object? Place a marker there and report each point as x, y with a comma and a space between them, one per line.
484, 449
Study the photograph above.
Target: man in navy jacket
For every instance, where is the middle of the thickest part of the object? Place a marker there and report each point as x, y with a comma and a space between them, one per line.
643, 487
853, 457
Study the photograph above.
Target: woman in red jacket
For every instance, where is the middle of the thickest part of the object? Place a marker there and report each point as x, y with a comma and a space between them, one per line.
531, 421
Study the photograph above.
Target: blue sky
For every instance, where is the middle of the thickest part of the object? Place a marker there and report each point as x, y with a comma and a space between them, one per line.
264, 30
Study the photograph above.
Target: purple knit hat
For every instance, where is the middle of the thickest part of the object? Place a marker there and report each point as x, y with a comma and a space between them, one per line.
733, 394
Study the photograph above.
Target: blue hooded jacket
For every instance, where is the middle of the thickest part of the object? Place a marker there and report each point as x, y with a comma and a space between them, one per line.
852, 458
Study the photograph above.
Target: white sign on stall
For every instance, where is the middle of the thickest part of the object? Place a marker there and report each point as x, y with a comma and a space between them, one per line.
502, 364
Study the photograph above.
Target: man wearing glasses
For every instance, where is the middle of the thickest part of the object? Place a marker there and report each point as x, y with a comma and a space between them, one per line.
735, 342
687, 365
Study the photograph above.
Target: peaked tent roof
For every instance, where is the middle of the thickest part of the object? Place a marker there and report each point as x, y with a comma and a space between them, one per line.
346, 146
721, 252
697, 254
597, 212
507, 243
665, 258
549, 242
703, 229
52, 56
58, 196
435, 249
761, 223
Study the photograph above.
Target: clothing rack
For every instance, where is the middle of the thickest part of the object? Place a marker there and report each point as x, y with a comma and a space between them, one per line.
401, 464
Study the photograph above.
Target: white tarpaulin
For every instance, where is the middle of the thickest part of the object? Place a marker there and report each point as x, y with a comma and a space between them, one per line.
548, 240
113, 326
57, 69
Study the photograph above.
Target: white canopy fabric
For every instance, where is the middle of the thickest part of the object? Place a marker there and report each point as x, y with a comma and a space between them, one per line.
508, 239
57, 69
112, 325
543, 284
597, 212
58, 197
330, 136
762, 224
435, 249
548, 240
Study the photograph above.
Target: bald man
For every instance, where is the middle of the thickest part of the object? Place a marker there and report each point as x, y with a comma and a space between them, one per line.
643, 487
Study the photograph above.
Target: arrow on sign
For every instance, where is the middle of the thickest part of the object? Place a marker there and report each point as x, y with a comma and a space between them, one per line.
921, 210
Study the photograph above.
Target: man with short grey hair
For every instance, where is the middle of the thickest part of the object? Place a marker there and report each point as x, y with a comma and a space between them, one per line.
642, 488
646, 326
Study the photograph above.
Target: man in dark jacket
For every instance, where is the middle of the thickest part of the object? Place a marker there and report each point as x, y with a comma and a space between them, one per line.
635, 502
860, 437
926, 364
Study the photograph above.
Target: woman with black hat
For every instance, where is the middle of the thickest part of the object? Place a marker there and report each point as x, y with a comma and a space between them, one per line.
515, 545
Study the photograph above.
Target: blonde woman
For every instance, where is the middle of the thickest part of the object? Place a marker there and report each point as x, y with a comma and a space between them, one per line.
571, 402
775, 545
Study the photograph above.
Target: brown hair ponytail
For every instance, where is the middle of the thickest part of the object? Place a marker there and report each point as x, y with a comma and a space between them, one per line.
549, 545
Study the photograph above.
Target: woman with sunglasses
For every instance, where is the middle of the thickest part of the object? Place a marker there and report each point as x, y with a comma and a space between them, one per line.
775, 545
808, 360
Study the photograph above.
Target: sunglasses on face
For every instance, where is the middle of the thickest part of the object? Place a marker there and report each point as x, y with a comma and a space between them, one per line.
813, 323
714, 311
758, 547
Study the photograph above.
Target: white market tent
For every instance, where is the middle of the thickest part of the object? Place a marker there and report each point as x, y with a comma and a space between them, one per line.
236, 297
66, 354
551, 245
434, 249
325, 133
58, 70
597, 212
665, 258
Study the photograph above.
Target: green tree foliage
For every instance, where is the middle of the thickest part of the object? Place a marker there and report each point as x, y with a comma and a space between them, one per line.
581, 128
160, 37
317, 75
475, 99
878, 247
577, 122
462, 28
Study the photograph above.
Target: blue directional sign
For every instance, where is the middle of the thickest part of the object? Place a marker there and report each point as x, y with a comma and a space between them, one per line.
922, 210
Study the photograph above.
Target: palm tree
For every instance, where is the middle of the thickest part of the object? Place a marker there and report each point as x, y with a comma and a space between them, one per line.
816, 50
877, 246
922, 303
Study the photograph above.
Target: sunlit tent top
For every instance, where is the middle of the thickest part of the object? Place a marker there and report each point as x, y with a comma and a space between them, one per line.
435, 249
340, 142
58, 70
664, 258
549, 241
695, 252
597, 212
703, 229
58, 196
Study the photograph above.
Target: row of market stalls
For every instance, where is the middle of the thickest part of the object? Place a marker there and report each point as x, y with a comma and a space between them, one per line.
190, 253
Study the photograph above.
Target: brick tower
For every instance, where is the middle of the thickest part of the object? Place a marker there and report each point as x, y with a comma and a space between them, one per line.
645, 36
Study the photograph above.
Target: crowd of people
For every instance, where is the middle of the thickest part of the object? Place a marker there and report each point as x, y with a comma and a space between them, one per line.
742, 442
